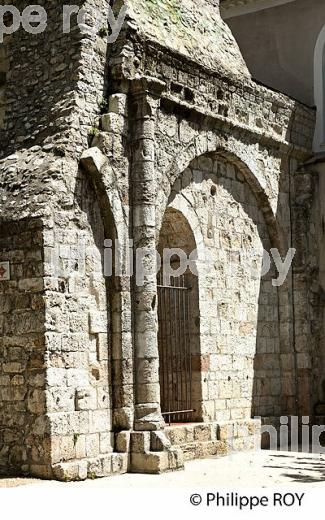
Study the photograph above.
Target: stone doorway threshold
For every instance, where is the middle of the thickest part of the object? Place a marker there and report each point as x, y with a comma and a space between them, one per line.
203, 440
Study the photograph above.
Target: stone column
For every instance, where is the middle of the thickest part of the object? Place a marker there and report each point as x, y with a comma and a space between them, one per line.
145, 95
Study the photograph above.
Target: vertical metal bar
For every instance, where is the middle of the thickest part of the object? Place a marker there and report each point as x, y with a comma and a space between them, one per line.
174, 348
183, 327
186, 323
189, 350
178, 354
180, 350
174, 318
164, 353
182, 353
166, 340
170, 352
162, 326
167, 345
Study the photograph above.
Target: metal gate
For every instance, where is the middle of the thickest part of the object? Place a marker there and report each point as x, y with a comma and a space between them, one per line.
175, 370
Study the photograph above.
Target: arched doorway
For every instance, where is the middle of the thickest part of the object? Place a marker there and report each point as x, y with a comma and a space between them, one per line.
238, 366
178, 317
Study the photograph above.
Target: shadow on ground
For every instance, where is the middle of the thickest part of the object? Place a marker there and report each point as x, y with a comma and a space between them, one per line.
301, 468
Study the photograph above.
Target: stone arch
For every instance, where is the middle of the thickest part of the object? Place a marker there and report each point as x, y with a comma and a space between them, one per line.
193, 222
114, 216
319, 91
229, 149
172, 194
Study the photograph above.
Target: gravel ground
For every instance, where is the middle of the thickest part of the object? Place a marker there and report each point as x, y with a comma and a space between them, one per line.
261, 469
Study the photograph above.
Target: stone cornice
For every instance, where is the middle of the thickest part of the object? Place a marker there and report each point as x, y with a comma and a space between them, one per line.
232, 8
257, 135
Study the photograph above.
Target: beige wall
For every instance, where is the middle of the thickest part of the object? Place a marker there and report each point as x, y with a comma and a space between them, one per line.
278, 45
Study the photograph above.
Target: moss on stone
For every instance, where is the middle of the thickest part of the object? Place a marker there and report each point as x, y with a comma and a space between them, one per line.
197, 32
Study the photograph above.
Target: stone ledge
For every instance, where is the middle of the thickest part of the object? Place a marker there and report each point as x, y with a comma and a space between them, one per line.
99, 467
204, 440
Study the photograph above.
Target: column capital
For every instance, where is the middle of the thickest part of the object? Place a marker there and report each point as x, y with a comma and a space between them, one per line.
147, 86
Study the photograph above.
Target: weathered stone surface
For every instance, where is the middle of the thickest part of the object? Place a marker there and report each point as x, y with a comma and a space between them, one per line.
93, 160
187, 151
215, 439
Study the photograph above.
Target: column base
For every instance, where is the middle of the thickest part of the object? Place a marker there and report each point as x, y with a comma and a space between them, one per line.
151, 452
148, 418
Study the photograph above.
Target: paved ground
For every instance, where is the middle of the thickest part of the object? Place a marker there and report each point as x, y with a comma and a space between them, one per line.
262, 469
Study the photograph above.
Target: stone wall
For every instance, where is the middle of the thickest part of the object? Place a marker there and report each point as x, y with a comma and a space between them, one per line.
60, 78
173, 133
79, 369
24, 432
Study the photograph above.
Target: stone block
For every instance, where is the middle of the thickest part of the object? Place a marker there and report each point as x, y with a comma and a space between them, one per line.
202, 432
31, 285
93, 160
105, 442
118, 104
92, 445
159, 441
152, 463
99, 467
119, 463
114, 123
175, 459
100, 420
140, 442
80, 445
63, 448
97, 322
225, 431
178, 435
42, 471
122, 442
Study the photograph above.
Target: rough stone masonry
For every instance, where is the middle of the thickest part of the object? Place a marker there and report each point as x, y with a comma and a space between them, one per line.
162, 138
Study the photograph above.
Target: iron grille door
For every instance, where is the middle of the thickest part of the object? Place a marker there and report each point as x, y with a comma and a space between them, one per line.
175, 368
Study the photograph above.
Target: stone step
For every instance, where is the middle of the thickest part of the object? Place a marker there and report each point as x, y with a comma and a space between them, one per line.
180, 435
202, 450
204, 440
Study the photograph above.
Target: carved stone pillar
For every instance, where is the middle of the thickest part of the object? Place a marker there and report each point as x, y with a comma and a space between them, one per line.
145, 101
